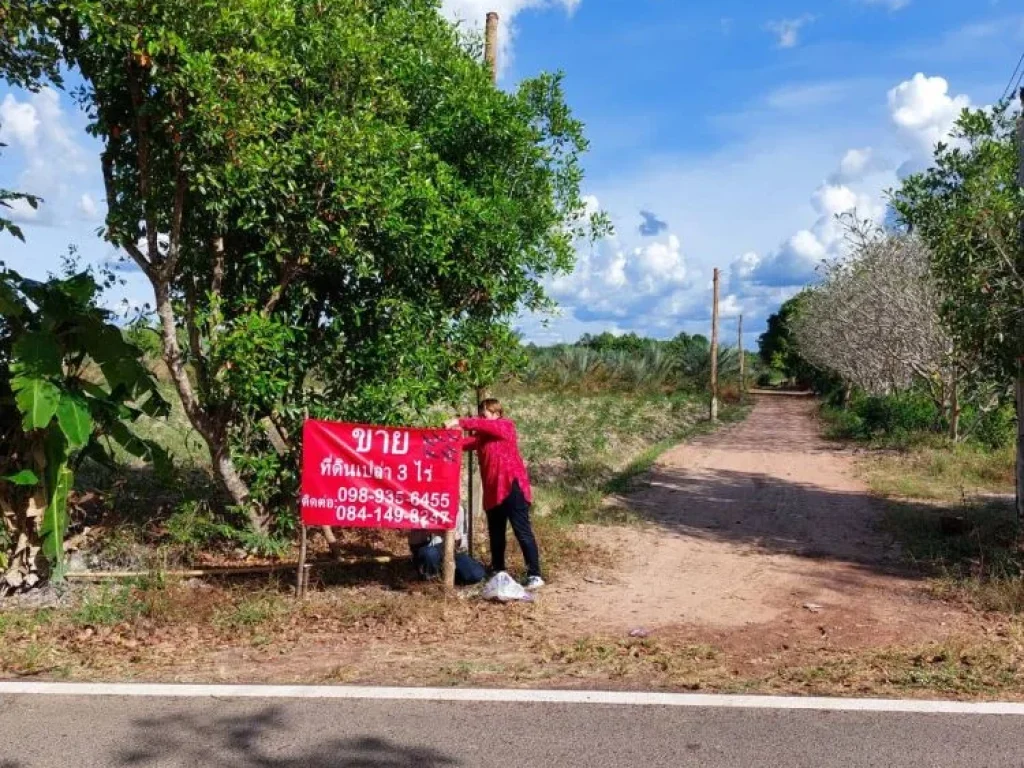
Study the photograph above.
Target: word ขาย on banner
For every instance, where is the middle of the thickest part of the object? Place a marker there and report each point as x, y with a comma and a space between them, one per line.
359, 476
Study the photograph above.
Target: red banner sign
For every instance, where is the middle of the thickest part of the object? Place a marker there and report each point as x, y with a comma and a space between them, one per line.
358, 476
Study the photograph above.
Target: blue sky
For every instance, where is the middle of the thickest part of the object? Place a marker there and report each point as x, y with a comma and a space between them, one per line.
723, 134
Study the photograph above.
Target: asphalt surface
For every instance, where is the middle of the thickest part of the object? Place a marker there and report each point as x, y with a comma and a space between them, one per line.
112, 731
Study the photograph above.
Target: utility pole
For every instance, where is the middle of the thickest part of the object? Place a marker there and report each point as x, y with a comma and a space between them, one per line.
1020, 333
714, 353
743, 363
473, 498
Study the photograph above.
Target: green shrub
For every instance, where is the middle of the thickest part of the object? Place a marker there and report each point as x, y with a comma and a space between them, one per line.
996, 429
845, 424
898, 415
193, 527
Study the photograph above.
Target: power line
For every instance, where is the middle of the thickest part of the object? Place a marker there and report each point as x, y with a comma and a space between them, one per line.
1012, 86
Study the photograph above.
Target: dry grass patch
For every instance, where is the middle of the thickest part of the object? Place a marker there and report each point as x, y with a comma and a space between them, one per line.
949, 473
958, 668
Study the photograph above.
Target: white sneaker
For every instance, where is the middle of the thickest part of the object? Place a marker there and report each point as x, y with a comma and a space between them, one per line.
534, 582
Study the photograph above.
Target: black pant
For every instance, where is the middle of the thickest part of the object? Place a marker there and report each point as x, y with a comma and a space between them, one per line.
515, 509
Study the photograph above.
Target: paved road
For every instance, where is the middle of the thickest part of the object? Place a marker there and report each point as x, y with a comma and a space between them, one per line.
110, 731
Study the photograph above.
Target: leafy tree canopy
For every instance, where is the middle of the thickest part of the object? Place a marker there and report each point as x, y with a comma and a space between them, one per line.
334, 205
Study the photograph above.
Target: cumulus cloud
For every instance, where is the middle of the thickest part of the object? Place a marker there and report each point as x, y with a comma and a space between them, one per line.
19, 123
924, 111
796, 261
652, 285
856, 165
788, 30
651, 225
38, 126
473, 13
613, 281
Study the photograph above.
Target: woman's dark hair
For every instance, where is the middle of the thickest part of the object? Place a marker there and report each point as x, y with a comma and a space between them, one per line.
491, 405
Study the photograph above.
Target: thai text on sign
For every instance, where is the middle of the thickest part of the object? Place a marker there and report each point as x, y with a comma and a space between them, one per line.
358, 476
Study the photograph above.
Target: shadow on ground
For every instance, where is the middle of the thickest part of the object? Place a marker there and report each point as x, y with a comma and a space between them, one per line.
257, 740
773, 485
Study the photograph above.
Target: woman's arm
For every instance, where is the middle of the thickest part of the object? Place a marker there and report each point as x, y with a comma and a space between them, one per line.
502, 429
469, 442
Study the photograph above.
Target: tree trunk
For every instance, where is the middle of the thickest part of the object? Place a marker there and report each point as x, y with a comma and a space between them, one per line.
212, 433
1020, 446
847, 396
954, 410
23, 566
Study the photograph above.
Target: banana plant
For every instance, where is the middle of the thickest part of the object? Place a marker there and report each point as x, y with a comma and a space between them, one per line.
70, 386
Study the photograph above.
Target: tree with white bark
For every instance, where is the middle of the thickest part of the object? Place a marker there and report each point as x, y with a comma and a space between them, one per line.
875, 320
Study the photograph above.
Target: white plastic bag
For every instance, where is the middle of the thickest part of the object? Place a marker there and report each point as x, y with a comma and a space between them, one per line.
505, 589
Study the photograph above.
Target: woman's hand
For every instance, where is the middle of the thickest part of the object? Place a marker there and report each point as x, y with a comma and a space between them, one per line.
452, 424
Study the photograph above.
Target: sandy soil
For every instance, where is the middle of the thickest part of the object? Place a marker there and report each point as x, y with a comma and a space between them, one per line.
761, 529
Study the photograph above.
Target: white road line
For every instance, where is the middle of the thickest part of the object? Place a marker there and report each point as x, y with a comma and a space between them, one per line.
620, 698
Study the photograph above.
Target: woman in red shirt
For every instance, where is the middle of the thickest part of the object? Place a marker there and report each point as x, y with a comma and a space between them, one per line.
507, 493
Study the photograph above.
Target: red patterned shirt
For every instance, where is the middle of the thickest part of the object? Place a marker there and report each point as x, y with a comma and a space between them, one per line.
500, 463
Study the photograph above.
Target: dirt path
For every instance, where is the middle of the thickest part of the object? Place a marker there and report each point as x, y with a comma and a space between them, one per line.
763, 529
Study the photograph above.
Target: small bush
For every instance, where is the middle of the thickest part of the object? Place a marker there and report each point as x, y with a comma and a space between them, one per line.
108, 606
193, 527
996, 429
898, 414
845, 424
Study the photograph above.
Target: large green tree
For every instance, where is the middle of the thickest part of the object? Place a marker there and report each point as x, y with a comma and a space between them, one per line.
968, 208
776, 345
331, 201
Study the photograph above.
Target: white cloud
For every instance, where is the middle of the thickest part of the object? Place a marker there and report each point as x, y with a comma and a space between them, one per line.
788, 30
21, 211
87, 207
613, 281
19, 123
473, 13
924, 112
733, 201
53, 163
856, 165
795, 262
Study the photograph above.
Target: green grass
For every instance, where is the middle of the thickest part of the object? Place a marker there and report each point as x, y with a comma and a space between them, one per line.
580, 449
107, 606
941, 471
944, 511
252, 612
972, 552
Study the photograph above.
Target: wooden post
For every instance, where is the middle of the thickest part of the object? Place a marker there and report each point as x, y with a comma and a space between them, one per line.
1020, 334
714, 353
491, 45
473, 498
300, 577
743, 363
470, 504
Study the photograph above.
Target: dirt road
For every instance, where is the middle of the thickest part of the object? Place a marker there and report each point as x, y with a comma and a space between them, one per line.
762, 526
